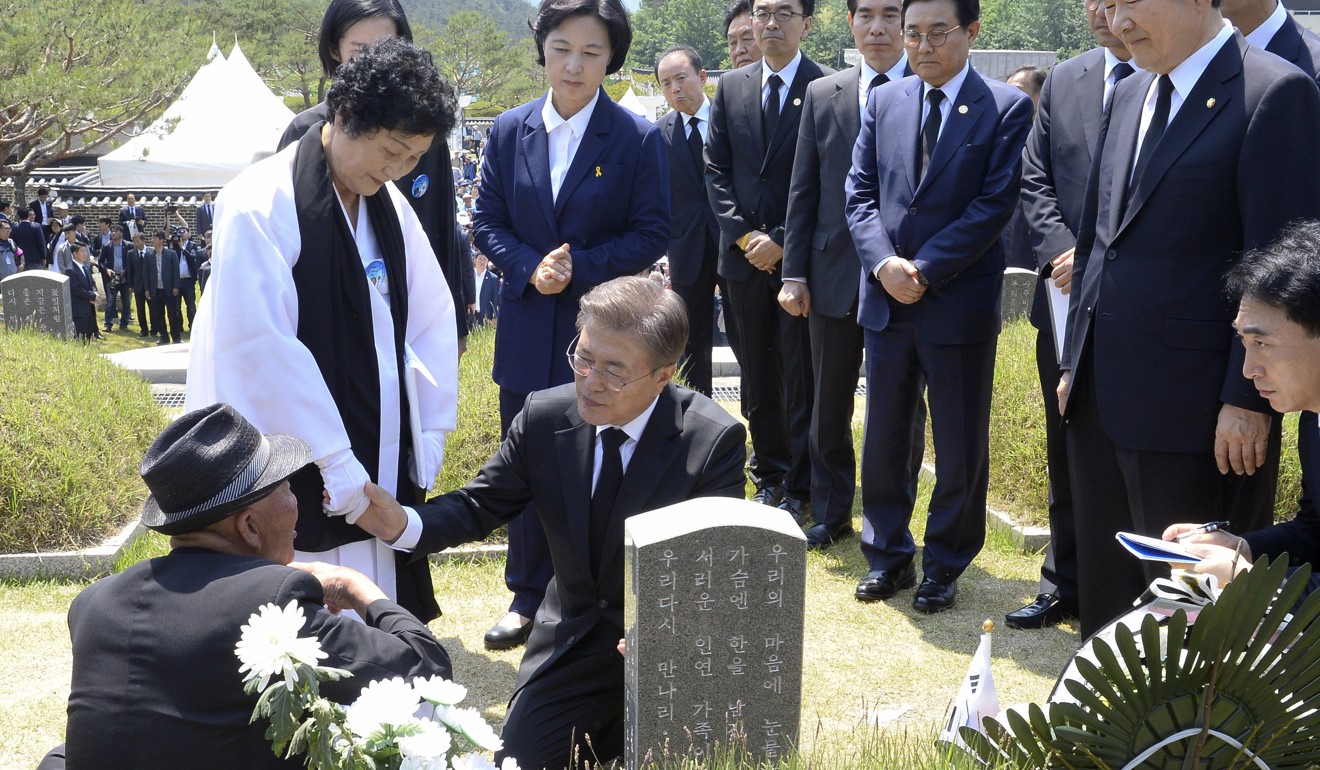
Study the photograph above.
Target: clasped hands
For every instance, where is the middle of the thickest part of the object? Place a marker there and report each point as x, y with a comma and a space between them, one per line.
554, 272
761, 251
902, 280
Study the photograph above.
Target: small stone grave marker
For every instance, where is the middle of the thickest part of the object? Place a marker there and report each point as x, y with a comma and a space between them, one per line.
39, 299
1019, 289
715, 595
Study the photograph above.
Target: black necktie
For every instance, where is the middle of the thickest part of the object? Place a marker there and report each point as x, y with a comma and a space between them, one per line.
694, 145
607, 491
1159, 120
878, 80
1120, 71
770, 117
930, 133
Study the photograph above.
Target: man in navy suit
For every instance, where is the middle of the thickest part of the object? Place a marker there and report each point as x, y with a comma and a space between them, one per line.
1055, 165
749, 164
1206, 155
486, 304
935, 179
694, 233
205, 215
44, 210
1267, 24
820, 262
28, 237
161, 273
82, 289
133, 216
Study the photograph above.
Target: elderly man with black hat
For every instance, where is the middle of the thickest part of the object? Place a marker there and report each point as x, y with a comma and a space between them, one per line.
155, 679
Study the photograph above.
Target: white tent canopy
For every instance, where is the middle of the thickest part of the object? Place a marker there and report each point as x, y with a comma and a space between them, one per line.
225, 119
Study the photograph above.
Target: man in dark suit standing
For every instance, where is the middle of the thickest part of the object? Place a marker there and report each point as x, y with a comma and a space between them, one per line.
621, 439
162, 289
1055, 165
205, 215
137, 273
1206, 155
44, 210
486, 304
116, 261
29, 237
1267, 24
155, 679
935, 179
694, 233
820, 262
188, 264
133, 216
82, 290
749, 155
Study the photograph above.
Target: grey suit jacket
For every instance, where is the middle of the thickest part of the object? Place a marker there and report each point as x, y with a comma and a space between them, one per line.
817, 245
691, 448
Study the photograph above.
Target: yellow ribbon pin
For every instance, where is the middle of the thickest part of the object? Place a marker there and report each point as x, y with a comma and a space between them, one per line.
598, 171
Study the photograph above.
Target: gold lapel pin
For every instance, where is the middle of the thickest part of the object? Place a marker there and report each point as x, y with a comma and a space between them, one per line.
962, 109
1209, 103
797, 102
597, 170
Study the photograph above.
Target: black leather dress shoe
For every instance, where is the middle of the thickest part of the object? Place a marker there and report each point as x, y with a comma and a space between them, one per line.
798, 508
934, 596
1047, 610
501, 637
822, 536
880, 584
770, 496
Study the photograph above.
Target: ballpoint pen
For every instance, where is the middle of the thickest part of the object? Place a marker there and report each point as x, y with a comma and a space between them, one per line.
1210, 526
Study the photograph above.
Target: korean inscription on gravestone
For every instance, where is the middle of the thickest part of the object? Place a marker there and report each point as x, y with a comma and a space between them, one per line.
39, 299
1018, 293
715, 601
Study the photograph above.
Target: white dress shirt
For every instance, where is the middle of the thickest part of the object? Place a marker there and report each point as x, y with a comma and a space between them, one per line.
634, 429
786, 75
1111, 61
896, 72
703, 120
1184, 78
565, 137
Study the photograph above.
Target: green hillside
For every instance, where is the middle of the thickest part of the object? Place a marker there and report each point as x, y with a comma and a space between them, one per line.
510, 15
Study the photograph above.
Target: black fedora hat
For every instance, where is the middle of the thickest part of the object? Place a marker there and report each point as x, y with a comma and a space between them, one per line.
212, 463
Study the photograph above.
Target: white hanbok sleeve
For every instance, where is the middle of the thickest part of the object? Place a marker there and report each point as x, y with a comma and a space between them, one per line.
245, 349
431, 336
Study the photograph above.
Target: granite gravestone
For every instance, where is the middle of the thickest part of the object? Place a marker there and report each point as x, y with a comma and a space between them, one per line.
39, 299
1019, 289
715, 593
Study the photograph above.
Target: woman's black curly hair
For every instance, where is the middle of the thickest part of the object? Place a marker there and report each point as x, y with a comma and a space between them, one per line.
392, 85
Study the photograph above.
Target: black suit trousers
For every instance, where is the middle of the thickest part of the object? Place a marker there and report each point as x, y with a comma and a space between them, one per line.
836, 359
699, 297
188, 293
775, 362
528, 567
1058, 573
164, 314
957, 380
146, 323
570, 715
1130, 490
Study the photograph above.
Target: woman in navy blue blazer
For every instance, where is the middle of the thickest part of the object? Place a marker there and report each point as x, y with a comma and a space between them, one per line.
574, 192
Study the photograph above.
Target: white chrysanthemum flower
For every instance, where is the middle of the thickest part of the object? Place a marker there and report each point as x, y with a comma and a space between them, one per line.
509, 763
470, 723
424, 763
440, 691
383, 702
269, 645
471, 761
425, 740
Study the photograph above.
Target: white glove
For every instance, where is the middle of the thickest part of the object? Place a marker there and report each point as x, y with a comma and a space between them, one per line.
424, 469
345, 482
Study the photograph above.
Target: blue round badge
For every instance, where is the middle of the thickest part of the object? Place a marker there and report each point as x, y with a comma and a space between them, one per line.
420, 185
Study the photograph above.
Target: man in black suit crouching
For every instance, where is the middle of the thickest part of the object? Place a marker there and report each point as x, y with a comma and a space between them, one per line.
155, 681
620, 439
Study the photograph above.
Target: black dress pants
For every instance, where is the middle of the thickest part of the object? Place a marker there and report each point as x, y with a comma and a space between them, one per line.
836, 359
1058, 573
776, 371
